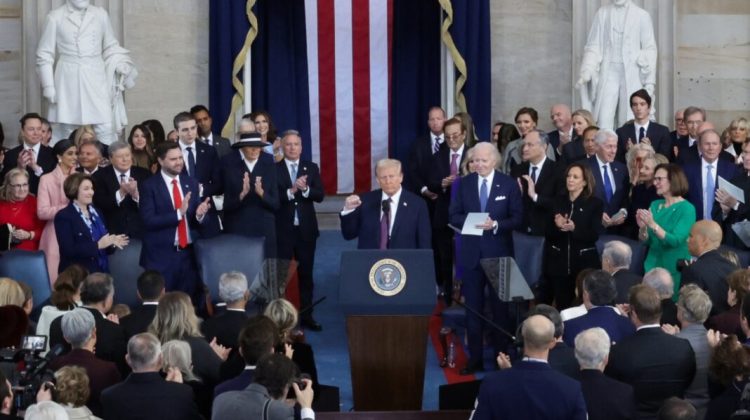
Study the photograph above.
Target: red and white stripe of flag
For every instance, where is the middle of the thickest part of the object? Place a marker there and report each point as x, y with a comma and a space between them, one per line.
349, 68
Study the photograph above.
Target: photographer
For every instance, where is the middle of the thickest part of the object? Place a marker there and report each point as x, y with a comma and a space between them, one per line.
265, 396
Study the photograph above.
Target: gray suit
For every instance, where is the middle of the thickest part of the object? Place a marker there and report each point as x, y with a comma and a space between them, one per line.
697, 392
248, 404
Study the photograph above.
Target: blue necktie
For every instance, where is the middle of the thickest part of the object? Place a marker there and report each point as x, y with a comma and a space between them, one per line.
191, 162
483, 195
709, 194
608, 193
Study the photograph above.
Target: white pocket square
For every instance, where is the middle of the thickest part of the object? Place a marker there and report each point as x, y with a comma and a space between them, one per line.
502, 197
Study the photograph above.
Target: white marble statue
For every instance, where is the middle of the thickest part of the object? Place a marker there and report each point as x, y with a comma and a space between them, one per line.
91, 73
619, 58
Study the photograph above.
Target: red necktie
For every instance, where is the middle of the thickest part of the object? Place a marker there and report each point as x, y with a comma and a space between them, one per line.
182, 237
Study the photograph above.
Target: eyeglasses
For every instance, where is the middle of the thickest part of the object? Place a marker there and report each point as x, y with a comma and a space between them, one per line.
20, 186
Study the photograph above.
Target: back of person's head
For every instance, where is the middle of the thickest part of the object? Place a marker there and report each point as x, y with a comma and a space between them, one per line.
677, 409
645, 302
97, 287
257, 338
600, 286
11, 292
150, 285
592, 348
175, 318
552, 314
72, 386
177, 354
46, 410
283, 314
694, 305
232, 287
538, 333
144, 352
67, 286
78, 327
276, 373
660, 280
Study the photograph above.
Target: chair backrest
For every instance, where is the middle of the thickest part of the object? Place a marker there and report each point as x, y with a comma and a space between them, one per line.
528, 252
228, 252
125, 269
638, 248
30, 268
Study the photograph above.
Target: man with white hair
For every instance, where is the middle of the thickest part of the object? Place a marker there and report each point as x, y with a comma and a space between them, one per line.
144, 393
606, 398
660, 280
226, 326
611, 179
616, 259
79, 329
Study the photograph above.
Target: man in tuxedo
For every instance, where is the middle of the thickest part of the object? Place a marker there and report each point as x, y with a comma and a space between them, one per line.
563, 134
150, 285
612, 184
606, 398
710, 269
496, 194
703, 176
541, 181
222, 145
144, 393
598, 294
117, 195
660, 280
36, 158
642, 129
97, 292
656, 364
251, 192
531, 389
389, 217
225, 327
79, 330
172, 214
300, 187
202, 164
616, 257
445, 170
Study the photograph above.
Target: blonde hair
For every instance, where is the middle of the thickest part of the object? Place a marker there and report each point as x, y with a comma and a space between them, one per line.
175, 318
283, 314
177, 354
72, 386
11, 292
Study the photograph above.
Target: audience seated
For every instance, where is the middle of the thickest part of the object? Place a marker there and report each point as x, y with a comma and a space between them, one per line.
660, 280
728, 322
606, 398
616, 257
256, 339
144, 393
177, 355
150, 289
561, 357
225, 327
79, 330
72, 391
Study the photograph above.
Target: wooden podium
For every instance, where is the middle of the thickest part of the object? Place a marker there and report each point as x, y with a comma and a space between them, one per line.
387, 297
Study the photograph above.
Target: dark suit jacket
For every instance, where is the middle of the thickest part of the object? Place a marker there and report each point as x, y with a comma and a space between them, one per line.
529, 390
122, 217
149, 396
410, 230
710, 272
606, 398
622, 185
617, 326
75, 241
305, 206
101, 374
549, 184
160, 219
138, 321
504, 205
624, 280
253, 215
657, 366
46, 159
693, 172
225, 327
110, 339
441, 168
657, 133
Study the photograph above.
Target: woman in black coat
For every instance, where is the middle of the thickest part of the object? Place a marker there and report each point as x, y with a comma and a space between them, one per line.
571, 239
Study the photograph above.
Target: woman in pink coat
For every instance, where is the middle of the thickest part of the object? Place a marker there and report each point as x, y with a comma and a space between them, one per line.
51, 199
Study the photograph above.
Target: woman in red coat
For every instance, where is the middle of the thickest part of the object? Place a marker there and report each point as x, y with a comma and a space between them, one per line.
18, 209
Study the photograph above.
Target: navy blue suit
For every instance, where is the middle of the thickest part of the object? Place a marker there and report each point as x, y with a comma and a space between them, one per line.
617, 326
75, 241
160, 218
208, 175
529, 391
693, 171
621, 186
411, 227
658, 135
505, 206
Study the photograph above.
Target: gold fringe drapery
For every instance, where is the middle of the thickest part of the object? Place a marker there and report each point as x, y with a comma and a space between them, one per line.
458, 60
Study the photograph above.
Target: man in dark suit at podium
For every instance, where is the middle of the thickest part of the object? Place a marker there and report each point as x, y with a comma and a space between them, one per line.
485, 191
389, 217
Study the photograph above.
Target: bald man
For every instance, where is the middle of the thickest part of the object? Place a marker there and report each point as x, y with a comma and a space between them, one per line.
710, 269
531, 388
